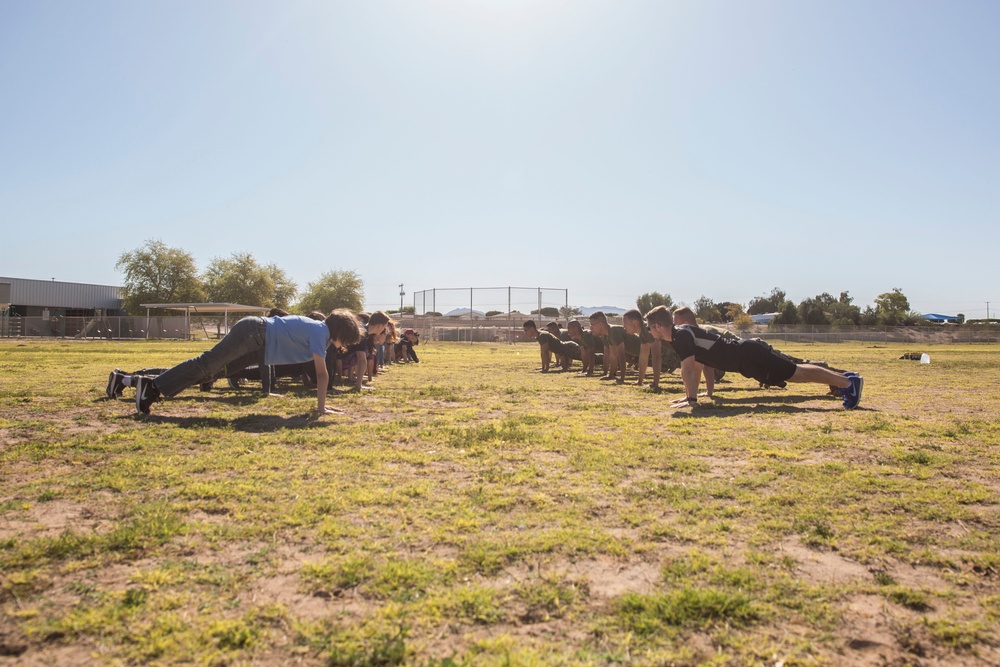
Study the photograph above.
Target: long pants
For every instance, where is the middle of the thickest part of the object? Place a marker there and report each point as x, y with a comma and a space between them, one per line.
245, 337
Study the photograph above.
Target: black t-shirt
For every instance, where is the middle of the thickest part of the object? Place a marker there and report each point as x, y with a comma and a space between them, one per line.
707, 347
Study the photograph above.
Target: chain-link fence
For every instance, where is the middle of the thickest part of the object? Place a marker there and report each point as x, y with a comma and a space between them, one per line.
112, 328
927, 335
485, 314
504, 327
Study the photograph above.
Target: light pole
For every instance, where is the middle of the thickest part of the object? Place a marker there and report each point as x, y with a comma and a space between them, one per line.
401, 295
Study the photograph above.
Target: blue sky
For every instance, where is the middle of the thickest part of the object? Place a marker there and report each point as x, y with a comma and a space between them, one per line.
611, 148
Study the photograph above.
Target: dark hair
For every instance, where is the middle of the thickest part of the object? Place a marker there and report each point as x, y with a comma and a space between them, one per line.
660, 316
344, 326
277, 312
530, 323
574, 324
378, 317
316, 315
599, 315
633, 315
364, 317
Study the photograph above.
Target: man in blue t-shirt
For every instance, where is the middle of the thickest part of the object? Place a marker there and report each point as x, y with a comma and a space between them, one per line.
284, 340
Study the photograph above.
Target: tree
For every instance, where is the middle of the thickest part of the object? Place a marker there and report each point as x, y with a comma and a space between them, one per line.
843, 310
743, 322
772, 303
239, 278
705, 310
333, 289
285, 288
892, 307
729, 310
811, 311
568, 311
156, 273
787, 314
650, 300
548, 311
491, 313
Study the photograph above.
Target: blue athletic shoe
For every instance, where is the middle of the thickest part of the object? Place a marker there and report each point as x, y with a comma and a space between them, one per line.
852, 394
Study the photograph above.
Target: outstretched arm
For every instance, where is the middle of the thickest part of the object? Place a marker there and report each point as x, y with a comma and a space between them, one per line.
691, 375
709, 380
621, 363
643, 362
322, 380
657, 349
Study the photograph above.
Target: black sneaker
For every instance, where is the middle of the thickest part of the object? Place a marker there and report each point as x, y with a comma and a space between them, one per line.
115, 385
205, 386
145, 393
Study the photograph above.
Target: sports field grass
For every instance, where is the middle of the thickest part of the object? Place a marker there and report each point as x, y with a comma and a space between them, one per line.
472, 511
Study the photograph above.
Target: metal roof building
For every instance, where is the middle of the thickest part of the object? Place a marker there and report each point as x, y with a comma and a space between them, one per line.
53, 297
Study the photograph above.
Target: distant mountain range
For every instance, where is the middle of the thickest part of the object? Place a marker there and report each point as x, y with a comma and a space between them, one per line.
584, 311
607, 310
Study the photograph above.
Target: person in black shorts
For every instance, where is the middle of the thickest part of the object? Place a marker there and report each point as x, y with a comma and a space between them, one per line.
750, 358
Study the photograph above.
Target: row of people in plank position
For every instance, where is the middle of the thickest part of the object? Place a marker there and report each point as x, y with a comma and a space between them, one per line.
699, 351
322, 350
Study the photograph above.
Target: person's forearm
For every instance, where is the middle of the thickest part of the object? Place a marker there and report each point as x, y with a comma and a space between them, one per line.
361, 359
690, 374
709, 379
322, 381
643, 360
657, 363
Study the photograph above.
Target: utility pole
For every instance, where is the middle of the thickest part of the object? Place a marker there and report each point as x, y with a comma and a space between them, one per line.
401, 295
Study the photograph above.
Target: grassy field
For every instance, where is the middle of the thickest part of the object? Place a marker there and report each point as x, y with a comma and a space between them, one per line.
471, 511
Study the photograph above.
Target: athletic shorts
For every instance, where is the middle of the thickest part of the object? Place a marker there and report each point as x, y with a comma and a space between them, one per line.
763, 363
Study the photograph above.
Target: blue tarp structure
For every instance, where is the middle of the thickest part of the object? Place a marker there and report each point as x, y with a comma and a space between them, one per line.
937, 317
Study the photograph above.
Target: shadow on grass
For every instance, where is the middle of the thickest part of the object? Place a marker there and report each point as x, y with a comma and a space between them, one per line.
246, 423
783, 404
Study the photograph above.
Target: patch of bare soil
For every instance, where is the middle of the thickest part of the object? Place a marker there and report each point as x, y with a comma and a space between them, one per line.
52, 518
878, 633
52, 656
824, 567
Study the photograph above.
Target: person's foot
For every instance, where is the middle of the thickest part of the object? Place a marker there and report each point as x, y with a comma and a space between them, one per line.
115, 384
205, 386
852, 394
145, 394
